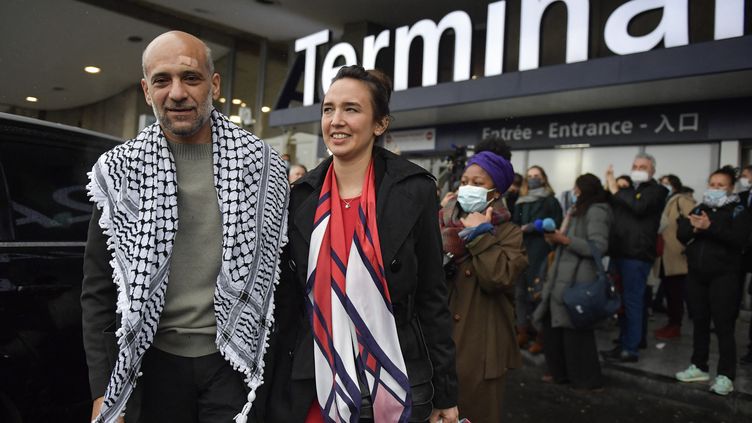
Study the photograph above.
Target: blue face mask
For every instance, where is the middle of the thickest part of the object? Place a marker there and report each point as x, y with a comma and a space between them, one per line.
669, 188
714, 197
572, 197
473, 199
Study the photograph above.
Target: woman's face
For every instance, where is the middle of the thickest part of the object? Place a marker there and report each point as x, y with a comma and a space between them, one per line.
720, 181
347, 122
475, 175
534, 172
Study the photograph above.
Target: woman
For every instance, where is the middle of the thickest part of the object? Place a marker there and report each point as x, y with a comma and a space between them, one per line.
536, 201
714, 233
487, 259
369, 310
571, 353
673, 261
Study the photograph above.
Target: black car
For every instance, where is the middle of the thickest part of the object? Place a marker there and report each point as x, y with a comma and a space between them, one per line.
44, 215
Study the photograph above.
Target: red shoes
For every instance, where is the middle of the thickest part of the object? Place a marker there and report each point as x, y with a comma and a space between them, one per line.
668, 332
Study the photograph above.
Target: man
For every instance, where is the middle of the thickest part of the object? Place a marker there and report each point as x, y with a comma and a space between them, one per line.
632, 245
182, 253
745, 183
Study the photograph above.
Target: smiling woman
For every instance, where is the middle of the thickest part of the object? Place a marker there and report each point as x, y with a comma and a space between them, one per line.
381, 311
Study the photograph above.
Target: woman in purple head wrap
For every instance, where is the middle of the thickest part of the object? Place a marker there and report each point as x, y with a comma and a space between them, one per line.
485, 258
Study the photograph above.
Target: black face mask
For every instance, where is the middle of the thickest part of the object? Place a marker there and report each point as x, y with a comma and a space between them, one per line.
511, 196
533, 183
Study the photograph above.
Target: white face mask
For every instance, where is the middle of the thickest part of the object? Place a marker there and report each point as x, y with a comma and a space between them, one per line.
473, 199
639, 176
715, 197
745, 183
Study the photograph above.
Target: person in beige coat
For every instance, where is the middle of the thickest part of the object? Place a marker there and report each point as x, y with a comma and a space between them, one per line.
673, 261
488, 257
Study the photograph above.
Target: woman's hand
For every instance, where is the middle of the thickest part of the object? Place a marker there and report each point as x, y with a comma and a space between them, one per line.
557, 238
447, 415
474, 219
447, 198
699, 222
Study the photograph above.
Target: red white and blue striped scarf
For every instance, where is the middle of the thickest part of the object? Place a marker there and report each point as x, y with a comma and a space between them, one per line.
351, 313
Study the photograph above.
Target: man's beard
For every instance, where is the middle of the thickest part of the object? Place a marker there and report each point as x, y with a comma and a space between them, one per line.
203, 112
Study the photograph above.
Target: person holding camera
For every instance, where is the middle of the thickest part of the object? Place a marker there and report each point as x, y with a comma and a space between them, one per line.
715, 234
487, 258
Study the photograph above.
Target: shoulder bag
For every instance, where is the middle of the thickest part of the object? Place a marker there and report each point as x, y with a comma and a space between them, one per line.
590, 302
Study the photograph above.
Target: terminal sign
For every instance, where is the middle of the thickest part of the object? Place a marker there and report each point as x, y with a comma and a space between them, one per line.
672, 31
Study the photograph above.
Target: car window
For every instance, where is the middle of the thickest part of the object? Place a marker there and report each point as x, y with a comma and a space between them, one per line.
6, 210
46, 187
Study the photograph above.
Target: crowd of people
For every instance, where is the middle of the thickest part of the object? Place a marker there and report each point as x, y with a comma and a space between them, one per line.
699, 252
222, 284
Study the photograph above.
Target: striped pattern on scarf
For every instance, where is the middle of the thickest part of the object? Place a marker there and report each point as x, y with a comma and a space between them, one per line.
351, 314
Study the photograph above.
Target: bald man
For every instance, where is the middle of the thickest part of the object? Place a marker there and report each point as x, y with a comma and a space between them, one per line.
182, 253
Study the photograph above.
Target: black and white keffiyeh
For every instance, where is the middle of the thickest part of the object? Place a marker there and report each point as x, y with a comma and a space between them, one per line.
135, 186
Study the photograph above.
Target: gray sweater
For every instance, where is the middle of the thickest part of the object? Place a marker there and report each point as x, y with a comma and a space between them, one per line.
188, 326
188, 323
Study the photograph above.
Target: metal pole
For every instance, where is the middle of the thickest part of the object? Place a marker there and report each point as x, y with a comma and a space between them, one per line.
259, 126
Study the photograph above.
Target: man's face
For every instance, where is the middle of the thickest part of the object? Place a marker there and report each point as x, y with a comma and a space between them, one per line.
644, 164
180, 89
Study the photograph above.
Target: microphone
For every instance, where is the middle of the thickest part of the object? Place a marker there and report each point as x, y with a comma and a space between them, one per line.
546, 225
549, 225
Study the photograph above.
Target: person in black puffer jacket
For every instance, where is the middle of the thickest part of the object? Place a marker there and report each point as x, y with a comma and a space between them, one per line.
715, 234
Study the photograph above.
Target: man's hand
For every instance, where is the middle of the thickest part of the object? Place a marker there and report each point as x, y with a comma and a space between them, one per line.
98, 406
611, 180
474, 219
447, 415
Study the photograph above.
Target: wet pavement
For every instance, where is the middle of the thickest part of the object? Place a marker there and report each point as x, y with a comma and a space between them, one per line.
642, 392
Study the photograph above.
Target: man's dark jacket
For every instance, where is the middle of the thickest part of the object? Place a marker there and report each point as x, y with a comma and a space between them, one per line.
407, 219
637, 215
99, 297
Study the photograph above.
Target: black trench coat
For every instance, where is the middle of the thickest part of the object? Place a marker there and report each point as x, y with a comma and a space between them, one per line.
407, 219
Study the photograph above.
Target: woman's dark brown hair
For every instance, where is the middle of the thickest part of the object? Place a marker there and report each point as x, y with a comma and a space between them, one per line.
591, 192
378, 83
728, 171
524, 189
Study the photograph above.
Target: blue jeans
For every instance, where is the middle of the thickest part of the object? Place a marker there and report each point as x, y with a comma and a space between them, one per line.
634, 276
